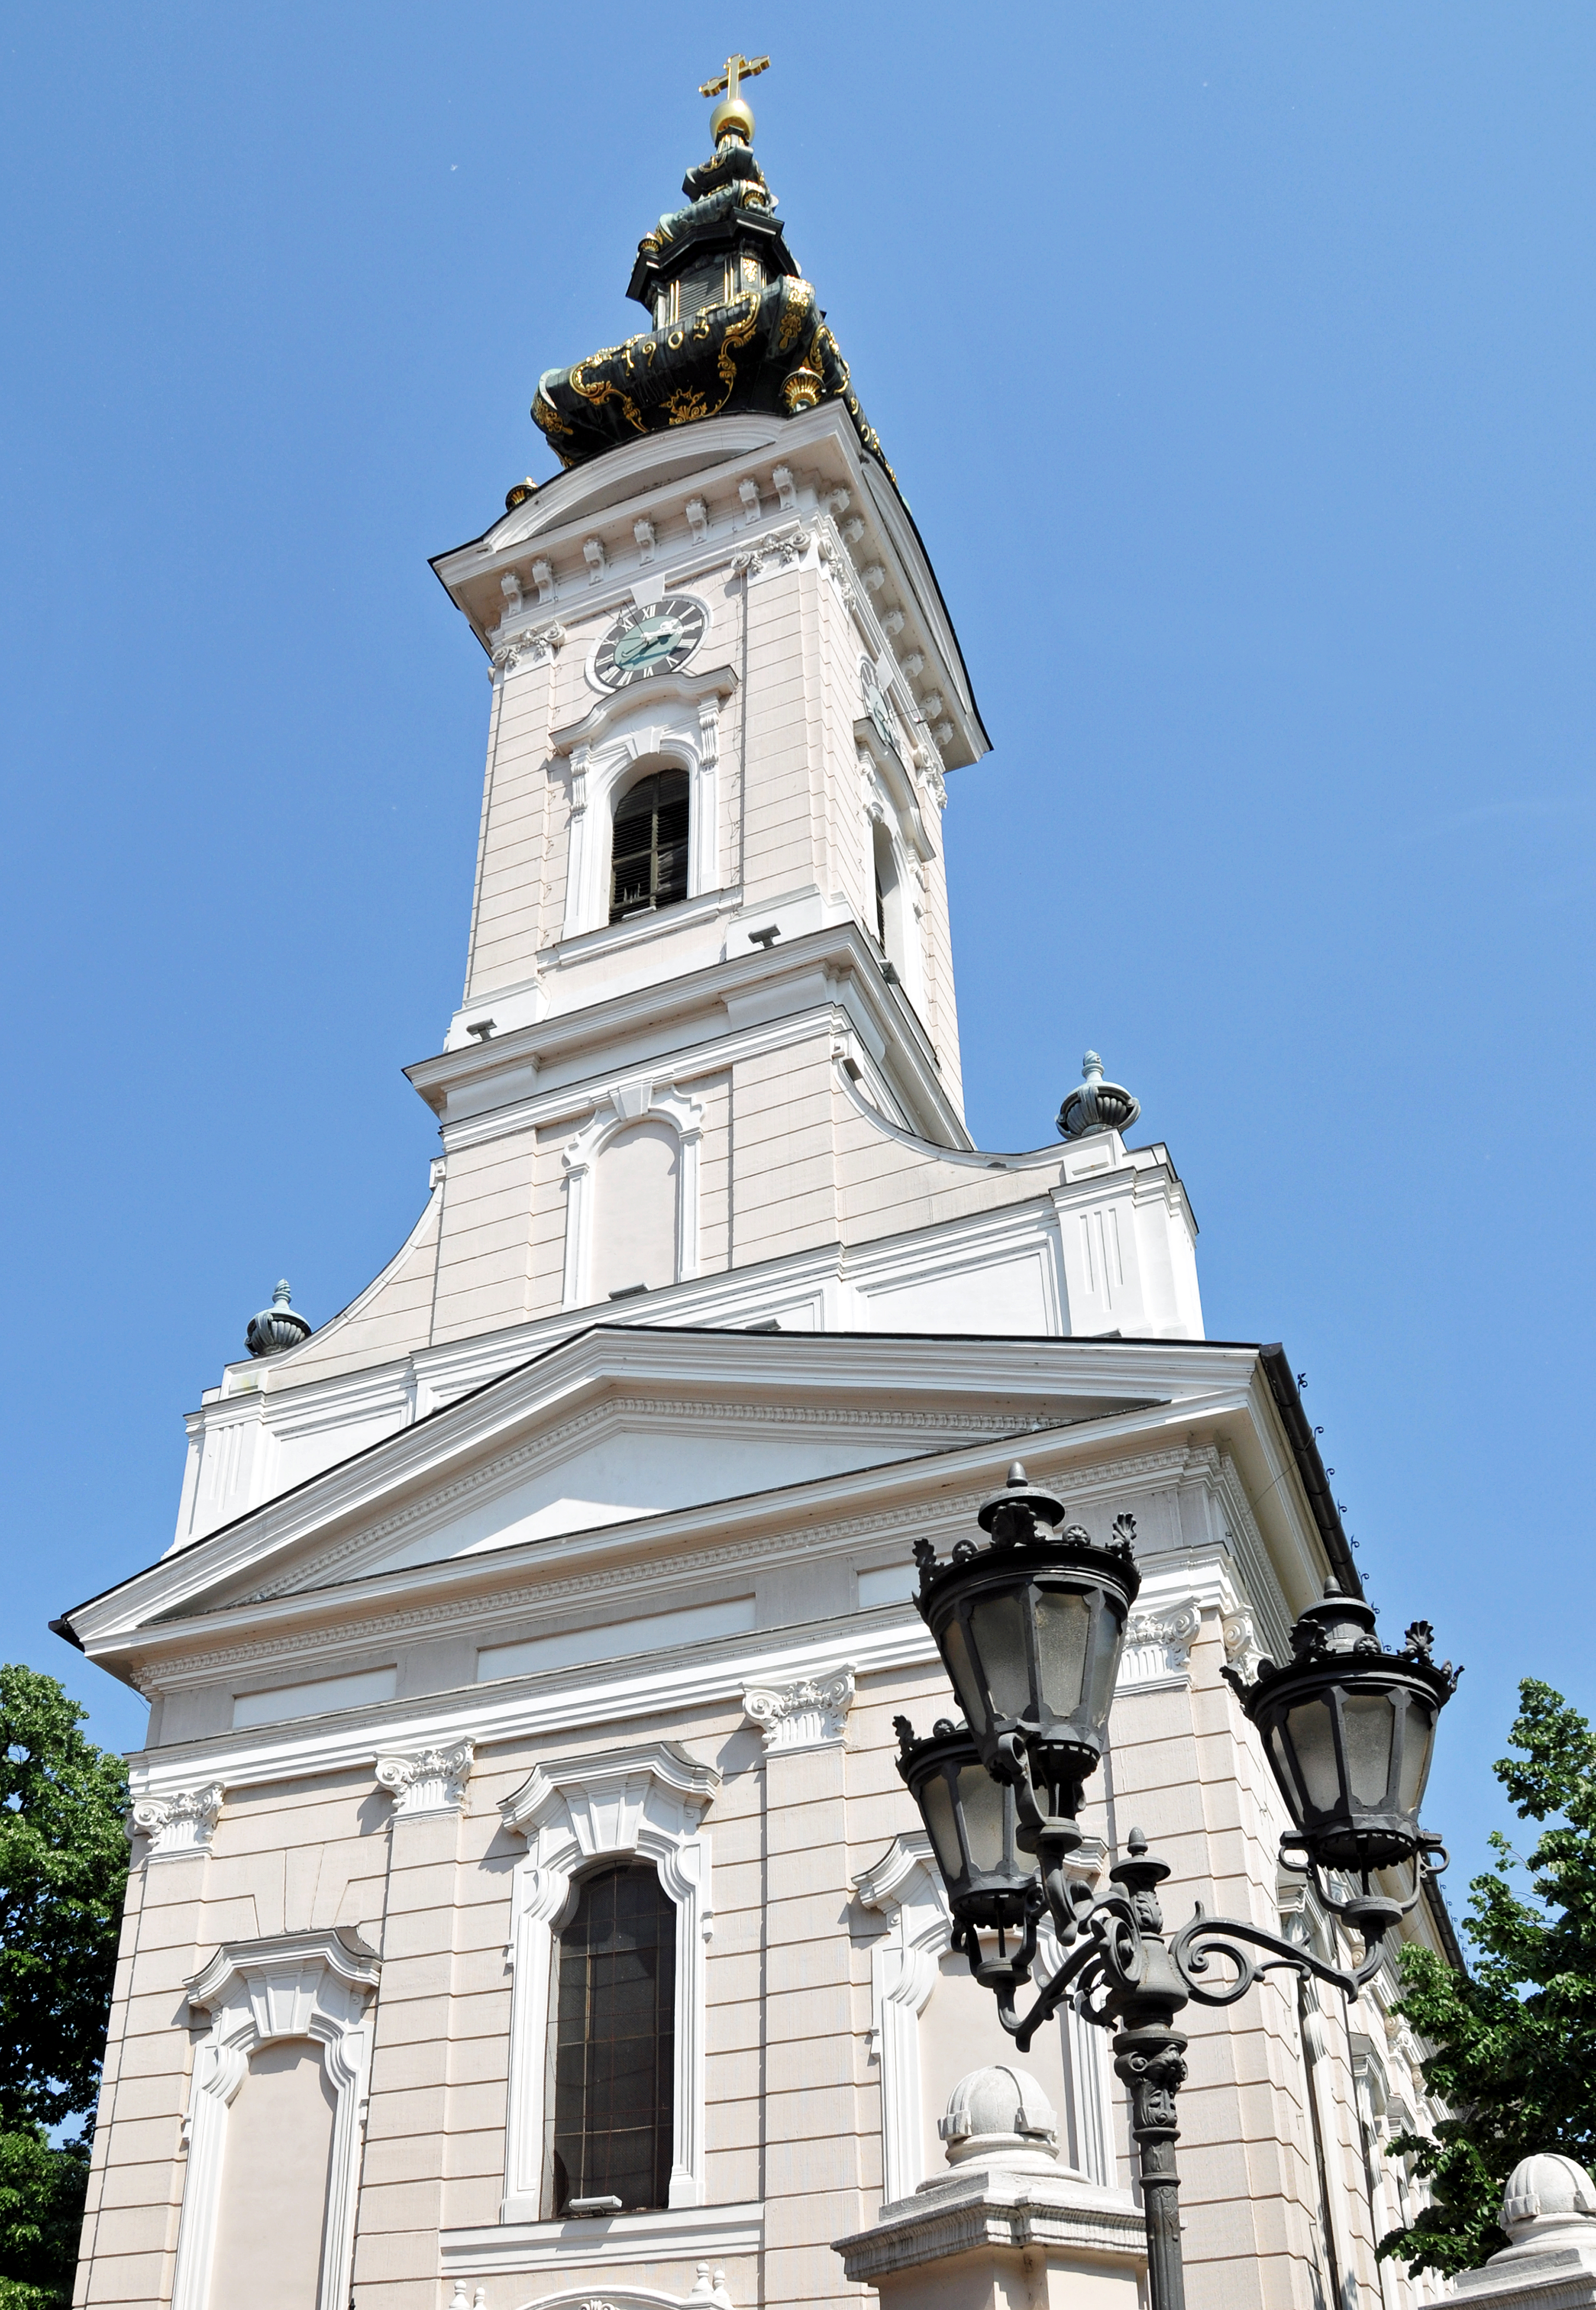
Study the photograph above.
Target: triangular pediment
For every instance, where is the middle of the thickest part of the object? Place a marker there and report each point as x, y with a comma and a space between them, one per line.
624, 1424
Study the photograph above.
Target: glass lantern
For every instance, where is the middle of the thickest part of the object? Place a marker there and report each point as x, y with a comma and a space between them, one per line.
973, 1824
1350, 1729
1030, 1628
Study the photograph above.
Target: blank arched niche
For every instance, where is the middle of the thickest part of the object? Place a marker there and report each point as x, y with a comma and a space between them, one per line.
635, 1200
303, 1998
270, 2222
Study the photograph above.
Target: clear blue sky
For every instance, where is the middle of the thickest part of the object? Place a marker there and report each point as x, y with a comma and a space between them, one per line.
1237, 361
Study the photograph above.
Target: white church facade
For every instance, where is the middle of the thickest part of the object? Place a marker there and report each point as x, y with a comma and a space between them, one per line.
525, 1908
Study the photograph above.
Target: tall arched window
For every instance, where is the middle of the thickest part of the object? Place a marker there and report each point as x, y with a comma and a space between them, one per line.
888, 896
615, 2042
648, 848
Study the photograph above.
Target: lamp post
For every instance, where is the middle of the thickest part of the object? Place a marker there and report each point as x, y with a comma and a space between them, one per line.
1030, 1624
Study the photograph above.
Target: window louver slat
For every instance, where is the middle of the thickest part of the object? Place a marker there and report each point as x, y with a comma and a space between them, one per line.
649, 845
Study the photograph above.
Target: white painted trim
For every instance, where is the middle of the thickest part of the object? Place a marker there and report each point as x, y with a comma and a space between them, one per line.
679, 725
310, 1985
144, 1612
1086, 2142
614, 708
509, 2248
559, 1700
638, 1100
906, 1886
643, 1802
705, 2290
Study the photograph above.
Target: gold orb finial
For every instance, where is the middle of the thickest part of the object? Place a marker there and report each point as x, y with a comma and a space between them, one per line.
731, 117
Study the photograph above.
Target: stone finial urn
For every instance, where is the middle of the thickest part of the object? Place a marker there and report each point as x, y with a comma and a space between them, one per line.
276, 1328
1001, 2113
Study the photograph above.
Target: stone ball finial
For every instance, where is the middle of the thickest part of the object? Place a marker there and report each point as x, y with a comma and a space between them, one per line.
1547, 2193
1000, 2114
276, 1328
1095, 1106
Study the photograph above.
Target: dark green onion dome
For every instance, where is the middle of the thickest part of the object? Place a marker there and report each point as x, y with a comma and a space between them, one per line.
736, 327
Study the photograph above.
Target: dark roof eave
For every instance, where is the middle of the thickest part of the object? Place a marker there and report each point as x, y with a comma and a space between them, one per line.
1310, 1466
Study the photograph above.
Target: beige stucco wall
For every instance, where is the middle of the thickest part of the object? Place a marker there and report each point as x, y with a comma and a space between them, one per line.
792, 2089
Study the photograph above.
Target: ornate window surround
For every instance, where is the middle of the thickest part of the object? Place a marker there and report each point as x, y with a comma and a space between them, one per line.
638, 1100
646, 1803
676, 724
312, 1985
905, 1966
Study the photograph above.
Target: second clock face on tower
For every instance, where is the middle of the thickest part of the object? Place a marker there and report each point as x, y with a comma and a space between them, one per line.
653, 638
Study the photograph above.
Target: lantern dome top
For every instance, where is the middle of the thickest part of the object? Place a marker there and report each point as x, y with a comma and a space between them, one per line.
999, 2113
1020, 1492
1546, 2192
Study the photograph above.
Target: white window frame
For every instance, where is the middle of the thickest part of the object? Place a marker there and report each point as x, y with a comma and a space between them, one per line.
645, 1804
622, 1104
314, 1985
679, 731
904, 899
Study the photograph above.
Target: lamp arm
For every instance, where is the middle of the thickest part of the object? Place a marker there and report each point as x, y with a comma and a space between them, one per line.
1107, 1949
1199, 1942
1368, 1911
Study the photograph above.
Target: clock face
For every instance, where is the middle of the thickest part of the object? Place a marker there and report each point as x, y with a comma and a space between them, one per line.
652, 638
876, 705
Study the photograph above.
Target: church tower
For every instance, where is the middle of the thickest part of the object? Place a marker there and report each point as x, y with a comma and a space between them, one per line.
525, 1904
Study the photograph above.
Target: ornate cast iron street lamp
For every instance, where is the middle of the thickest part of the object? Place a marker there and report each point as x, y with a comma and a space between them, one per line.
1030, 1625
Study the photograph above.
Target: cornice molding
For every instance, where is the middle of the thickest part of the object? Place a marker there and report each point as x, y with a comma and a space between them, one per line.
950, 1509
840, 949
621, 1781
291, 1960
607, 1355
616, 1414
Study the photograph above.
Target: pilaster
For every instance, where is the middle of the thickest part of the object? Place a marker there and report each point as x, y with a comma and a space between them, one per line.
401, 2193
812, 2176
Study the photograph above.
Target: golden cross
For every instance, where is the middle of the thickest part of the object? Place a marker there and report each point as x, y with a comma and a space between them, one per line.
738, 68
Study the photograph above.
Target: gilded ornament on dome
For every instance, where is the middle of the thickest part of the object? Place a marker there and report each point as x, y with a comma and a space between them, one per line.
795, 308
685, 407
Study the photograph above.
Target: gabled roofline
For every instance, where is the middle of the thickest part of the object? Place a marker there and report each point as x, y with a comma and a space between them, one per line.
643, 1345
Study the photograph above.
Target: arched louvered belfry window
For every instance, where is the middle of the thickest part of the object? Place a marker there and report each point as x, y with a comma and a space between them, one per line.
615, 2042
648, 848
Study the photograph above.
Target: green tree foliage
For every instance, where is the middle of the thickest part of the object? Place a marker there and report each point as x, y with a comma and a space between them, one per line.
63, 1873
1514, 2040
